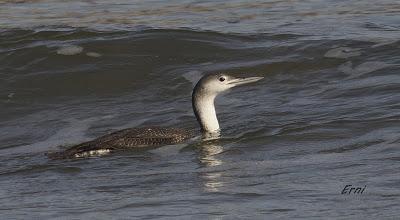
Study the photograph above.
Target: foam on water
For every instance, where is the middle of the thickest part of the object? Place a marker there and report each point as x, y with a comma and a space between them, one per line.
363, 68
70, 50
93, 54
342, 52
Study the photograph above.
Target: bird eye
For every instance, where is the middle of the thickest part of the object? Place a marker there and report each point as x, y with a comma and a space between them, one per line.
221, 79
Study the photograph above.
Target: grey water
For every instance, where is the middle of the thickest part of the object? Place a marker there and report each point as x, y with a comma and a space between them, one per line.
326, 115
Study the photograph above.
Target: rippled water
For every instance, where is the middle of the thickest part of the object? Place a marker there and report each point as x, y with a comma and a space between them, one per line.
325, 116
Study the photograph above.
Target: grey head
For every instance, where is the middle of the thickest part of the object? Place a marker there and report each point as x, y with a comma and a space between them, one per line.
204, 94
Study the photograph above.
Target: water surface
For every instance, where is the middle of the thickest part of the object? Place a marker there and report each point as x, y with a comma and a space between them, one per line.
325, 116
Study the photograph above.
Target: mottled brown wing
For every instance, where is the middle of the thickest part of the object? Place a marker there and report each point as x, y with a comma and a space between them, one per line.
125, 139
142, 137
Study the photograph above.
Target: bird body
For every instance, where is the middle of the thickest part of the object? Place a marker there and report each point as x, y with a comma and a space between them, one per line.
125, 139
203, 96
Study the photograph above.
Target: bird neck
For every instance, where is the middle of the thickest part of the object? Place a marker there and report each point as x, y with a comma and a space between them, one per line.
204, 109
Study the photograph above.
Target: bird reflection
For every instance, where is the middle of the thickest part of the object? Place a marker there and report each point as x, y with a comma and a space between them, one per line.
208, 155
208, 158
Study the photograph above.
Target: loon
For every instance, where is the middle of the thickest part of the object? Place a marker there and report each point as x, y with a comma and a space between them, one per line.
203, 96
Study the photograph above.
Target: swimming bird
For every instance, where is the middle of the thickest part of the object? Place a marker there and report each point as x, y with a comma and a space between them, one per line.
203, 96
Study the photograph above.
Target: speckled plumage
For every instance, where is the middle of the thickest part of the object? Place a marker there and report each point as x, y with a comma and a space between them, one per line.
126, 139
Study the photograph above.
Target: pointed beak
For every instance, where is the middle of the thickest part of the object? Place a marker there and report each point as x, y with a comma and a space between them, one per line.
241, 81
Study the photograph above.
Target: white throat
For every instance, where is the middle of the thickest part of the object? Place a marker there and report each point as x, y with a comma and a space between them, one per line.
203, 96
204, 109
